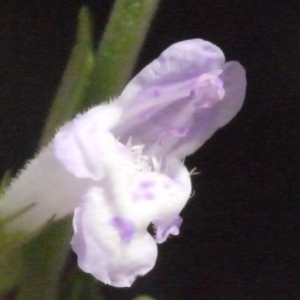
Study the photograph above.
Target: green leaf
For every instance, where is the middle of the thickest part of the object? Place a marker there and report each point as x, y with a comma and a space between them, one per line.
75, 79
10, 270
44, 258
12, 240
119, 48
77, 285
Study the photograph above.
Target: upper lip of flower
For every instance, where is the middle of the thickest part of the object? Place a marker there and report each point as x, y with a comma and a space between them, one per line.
186, 97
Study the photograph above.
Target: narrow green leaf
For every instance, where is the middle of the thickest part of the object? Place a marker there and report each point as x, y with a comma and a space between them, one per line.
10, 270
75, 79
12, 240
77, 285
119, 48
44, 258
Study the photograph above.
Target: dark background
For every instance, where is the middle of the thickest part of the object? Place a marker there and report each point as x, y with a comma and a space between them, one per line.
240, 236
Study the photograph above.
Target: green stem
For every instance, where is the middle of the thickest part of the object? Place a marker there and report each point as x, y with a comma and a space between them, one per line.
119, 47
44, 258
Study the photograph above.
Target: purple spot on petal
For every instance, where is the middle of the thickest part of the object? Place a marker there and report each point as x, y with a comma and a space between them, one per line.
192, 94
156, 93
146, 184
143, 195
149, 196
144, 191
124, 227
180, 131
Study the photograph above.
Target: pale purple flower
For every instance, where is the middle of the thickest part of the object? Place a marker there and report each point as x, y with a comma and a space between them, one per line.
120, 165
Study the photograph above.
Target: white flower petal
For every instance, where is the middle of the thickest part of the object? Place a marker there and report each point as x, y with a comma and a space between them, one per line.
101, 247
81, 144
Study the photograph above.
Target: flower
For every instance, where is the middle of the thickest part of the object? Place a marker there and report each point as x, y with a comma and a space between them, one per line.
120, 165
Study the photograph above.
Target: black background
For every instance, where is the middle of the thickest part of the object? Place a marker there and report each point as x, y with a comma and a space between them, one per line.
240, 236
